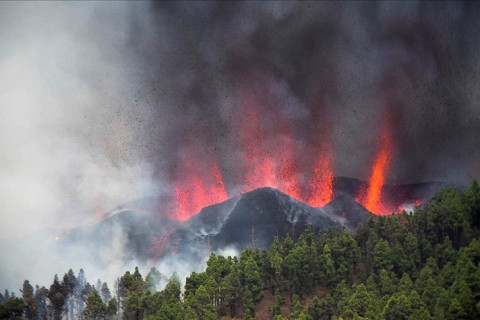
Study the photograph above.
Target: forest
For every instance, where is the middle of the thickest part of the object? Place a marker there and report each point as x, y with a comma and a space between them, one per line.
420, 265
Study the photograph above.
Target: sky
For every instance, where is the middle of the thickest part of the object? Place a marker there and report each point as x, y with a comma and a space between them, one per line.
102, 102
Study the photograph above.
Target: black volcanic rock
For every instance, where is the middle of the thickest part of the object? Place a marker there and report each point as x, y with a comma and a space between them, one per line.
347, 211
251, 219
143, 229
260, 215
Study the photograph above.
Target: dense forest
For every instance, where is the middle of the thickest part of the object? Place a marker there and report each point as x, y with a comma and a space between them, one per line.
421, 265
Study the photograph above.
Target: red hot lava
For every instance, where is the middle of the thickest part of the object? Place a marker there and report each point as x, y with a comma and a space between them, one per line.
199, 184
268, 158
371, 198
274, 164
199, 193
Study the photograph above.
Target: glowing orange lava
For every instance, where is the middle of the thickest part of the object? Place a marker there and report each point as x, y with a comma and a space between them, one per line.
372, 197
197, 193
199, 182
260, 165
373, 200
268, 157
322, 183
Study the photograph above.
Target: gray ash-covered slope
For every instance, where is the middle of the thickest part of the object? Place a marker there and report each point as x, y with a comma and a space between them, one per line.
144, 230
250, 219
256, 217
347, 211
128, 229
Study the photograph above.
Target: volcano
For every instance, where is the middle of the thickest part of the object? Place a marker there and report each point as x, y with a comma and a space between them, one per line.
255, 218
252, 219
147, 231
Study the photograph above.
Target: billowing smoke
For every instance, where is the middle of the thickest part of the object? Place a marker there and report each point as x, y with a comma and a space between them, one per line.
319, 71
103, 103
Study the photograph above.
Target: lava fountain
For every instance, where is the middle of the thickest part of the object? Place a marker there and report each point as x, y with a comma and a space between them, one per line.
371, 198
322, 181
199, 183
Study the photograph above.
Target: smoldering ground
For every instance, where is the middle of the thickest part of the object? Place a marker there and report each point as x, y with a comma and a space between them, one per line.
101, 101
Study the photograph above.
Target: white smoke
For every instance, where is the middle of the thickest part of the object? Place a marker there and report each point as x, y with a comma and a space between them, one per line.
70, 132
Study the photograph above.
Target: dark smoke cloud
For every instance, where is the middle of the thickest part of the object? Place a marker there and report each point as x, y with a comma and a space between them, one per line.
329, 68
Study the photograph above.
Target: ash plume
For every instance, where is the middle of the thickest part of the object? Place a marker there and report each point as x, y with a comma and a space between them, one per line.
323, 67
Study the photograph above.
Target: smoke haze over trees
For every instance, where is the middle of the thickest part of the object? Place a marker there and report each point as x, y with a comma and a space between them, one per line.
421, 265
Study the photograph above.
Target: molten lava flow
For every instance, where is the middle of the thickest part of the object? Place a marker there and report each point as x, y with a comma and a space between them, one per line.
372, 197
322, 183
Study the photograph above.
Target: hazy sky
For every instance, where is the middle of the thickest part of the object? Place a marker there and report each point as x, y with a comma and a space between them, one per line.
99, 101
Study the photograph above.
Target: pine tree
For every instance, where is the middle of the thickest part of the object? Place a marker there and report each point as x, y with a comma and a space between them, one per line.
203, 305
328, 268
12, 308
41, 295
456, 311
248, 304
30, 311
105, 292
112, 308
296, 308
153, 279
70, 281
252, 279
95, 309
57, 296
172, 290
79, 293
278, 304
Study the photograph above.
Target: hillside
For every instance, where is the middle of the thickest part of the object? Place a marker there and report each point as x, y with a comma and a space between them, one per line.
424, 265
250, 219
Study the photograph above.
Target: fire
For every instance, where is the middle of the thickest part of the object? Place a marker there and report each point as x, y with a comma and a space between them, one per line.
371, 198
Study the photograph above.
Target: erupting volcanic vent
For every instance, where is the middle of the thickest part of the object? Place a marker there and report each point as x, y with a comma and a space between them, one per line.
199, 192
322, 182
269, 154
371, 197
199, 182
